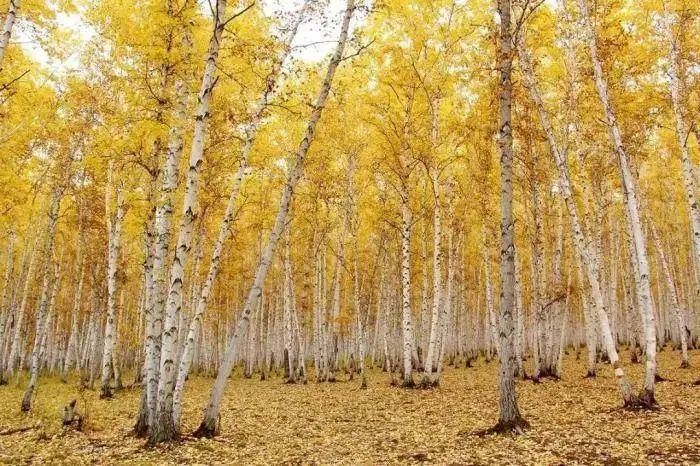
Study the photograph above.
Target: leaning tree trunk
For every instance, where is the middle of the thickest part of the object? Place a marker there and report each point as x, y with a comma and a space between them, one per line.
7, 28
675, 302
164, 427
12, 359
6, 304
632, 210
225, 227
208, 427
682, 134
41, 315
581, 241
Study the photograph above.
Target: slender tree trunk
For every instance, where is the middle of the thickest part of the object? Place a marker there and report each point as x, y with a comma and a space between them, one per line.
114, 230
632, 208
208, 427
430, 359
13, 358
10, 18
71, 358
682, 135
509, 414
42, 311
675, 303
6, 303
225, 227
582, 243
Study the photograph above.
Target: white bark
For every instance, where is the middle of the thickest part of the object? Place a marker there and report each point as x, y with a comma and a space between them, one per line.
682, 133
675, 303
10, 18
225, 227
509, 414
632, 205
208, 426
13, 357
435, 327
582, 243
6, 303
71, 357
42, 311
114, 230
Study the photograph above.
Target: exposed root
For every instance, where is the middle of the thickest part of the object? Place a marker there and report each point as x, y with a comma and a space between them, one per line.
517, 426
427, 383
644, 402
363, 385
106, 393
408, 383
658, 378
207, 429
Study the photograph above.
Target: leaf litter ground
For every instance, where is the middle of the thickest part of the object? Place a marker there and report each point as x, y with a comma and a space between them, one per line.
574, 421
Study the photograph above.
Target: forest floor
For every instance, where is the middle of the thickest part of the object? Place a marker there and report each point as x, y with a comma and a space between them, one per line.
574, 421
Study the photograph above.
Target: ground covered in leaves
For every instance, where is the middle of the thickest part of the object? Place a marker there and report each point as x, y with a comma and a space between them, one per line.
574, 421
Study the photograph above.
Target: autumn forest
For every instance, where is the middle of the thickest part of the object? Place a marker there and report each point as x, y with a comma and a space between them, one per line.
350, 231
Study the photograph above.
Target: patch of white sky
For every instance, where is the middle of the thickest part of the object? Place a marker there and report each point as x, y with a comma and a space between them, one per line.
315, 38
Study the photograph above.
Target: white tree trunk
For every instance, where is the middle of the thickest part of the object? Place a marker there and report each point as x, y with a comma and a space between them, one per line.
633, 214
12, 360
675, 303
682, 134
7, 28
114, 230
225, 227
42, 311
71, 357
6, 303
435, 329
208, 426
509, 414
582, 243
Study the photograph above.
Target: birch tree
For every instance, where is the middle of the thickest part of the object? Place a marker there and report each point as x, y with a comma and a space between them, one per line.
208, 427
115, 217
646, 397
509, 418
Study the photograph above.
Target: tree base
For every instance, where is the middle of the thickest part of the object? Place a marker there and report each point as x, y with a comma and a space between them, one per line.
207, 429
141, 426
591, 375
644, 402
106, 393
517, 426
363, 385
684, 365
163, 432
550, 374
427, 383
697, 382
26, 404
408, 383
